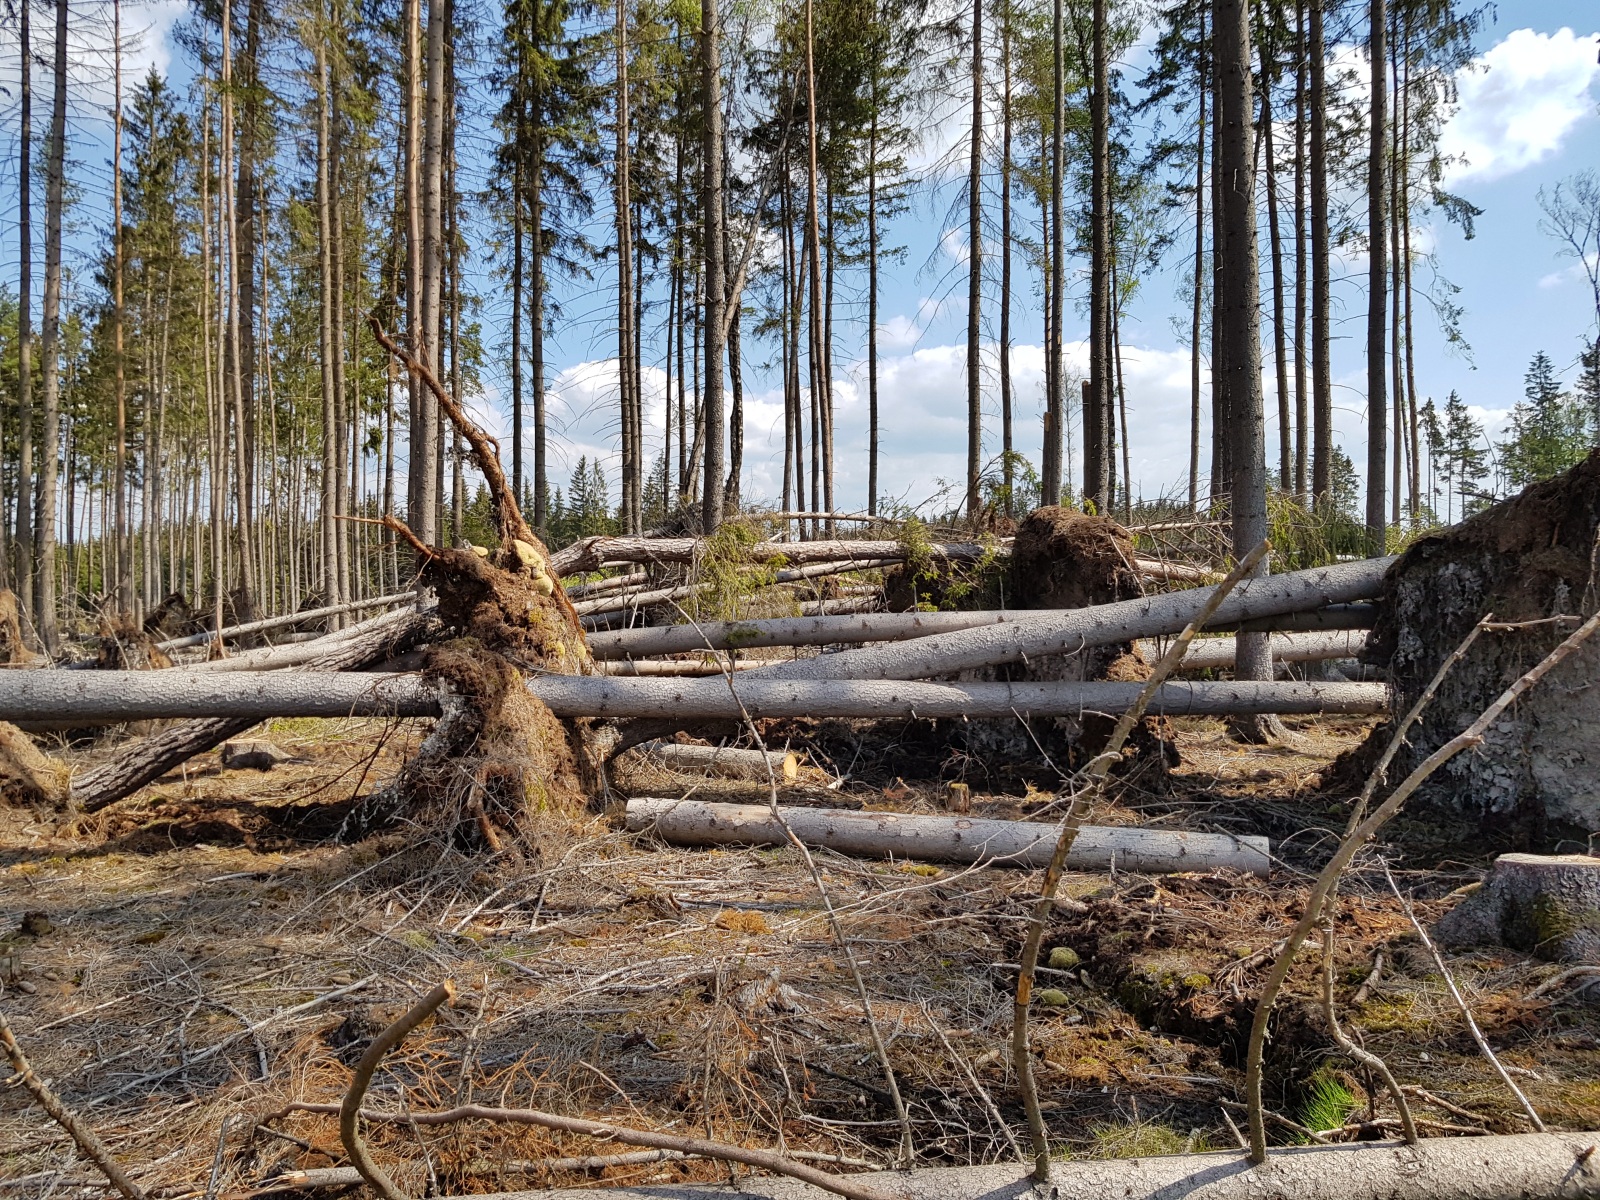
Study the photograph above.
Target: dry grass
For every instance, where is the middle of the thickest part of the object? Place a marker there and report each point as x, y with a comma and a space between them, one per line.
208, 963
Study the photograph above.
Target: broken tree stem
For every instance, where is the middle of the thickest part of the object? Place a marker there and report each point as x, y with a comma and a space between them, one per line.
87, 1141
1096, 772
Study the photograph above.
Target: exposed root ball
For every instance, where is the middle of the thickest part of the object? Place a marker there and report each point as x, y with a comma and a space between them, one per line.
508, 604
1068, 559
27, 775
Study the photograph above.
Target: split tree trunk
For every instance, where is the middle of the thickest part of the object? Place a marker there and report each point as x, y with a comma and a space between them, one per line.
953, 839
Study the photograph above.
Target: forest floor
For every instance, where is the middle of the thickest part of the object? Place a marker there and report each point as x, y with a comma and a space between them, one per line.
213, 953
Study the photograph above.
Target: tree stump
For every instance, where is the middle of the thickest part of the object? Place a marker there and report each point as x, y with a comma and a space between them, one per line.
1546, 905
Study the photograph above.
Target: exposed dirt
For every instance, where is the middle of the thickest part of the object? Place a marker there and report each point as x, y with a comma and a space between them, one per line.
211, 953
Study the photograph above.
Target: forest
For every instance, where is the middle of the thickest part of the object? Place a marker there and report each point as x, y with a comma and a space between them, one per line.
499, 697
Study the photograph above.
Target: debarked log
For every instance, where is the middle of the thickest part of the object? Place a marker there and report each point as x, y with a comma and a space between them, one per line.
952, 839
1498, 1167
113, 697
760, 696
730, 762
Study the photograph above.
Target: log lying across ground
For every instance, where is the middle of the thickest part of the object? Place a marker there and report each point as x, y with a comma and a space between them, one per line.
593, 554
727, 761
1067, 631
761, 696
617, 602
296, 654
1214, 653
266, 623
112, 697
1498, 1167
887, 627
946, 838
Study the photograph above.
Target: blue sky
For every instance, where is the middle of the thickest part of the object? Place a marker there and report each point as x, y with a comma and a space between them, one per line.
1529, 116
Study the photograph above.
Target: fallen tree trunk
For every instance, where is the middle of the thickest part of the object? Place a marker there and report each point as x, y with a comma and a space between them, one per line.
274, 658
762, 696
312, 614
1497, 1167
952, 839
726, 761
1213, 653
1067, 631
592, 555
889, 627
615, 603
135, 765
115, 697
673, 668
1335, 616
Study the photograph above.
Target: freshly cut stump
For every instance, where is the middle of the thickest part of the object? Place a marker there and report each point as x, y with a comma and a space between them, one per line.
1548, 905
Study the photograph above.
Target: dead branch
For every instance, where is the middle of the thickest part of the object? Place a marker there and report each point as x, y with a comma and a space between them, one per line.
87, 1141
1360, 1053
1461, 1004
350, 1110
512, 525
764, 1160
1094, 784
1362, 833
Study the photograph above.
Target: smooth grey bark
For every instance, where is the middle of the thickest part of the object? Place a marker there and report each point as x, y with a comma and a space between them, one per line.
1311, 646
952, 839
426, 435
762, 695
729, 762
113, 697
294, 618
1067, 632
591, 554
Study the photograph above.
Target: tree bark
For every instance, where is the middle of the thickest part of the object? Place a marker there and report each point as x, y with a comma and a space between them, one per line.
623, 220
123, 580
1008, 473
1301, 409
24, 537
975, 273
1221, 653
328, 303
1195, 324
951, 839
1321, 277
1377, 283
726, 761
711, 211
44, 535
592, 554
1097, 432
1280, 347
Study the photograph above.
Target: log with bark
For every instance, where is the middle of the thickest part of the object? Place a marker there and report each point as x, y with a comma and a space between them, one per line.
81, 699
593, 554
1218, 653
952, 839
663, 595
296, 618
890, 627
1497, 1167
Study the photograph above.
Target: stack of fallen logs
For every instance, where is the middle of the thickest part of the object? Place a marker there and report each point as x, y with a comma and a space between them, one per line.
882, 665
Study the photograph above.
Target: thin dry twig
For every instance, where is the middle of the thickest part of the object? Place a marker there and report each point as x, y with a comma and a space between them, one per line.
1461, 1003
1096, 773
907, 1147
701, 1147
1360, 1053
1360, 834
86, 1139
350, 1110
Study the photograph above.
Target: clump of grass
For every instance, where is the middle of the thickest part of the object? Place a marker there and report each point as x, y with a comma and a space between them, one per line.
1141, 1139
1328, 1103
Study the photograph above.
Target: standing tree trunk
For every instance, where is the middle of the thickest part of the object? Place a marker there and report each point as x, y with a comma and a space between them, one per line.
24, 542
1097, 431
44, 534
541, 466
1301, 416
1280, 347
516, 335
1377, 284
1202, 86
1240, 332
233, 375
821, 385
246, 203
975, 273
1321, 286
872, 304
418, 463
1056, 382
123, 559
426, 441
329, 345
625, 313
712, 242
1007, 447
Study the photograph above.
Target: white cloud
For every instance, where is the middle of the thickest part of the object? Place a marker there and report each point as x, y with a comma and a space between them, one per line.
1577, 271
1518, 102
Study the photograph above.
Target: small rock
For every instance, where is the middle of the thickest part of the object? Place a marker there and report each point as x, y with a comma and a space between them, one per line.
26, 987
1052, 998
260, 755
